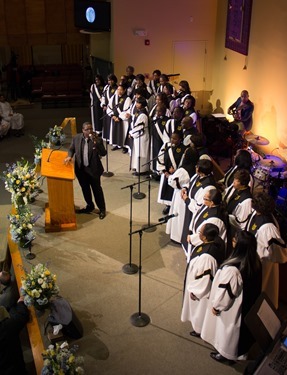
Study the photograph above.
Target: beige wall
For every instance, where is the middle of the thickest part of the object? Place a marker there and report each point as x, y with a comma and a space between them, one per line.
166, 23
266, 74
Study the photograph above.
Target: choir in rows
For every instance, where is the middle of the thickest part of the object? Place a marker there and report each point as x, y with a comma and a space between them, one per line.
227, 229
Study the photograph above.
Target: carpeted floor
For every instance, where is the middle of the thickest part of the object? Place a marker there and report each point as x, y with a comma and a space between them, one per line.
88, 263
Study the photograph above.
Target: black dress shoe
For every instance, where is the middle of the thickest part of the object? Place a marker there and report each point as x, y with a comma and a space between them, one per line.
219, 358
102, 215
115, 148
86, 210
124, 150
194, 334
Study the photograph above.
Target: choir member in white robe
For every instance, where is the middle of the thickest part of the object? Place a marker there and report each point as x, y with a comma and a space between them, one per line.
238, 199
192, 195
117, 109
169, 160
235, 288
15, 120
242, 160
160, 99
109, 90
96, 92
200, 272
177, 181
212, 211
270, 246
174, 124
141, 140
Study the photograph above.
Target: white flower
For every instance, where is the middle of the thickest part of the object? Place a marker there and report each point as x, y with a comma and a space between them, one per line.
40, 281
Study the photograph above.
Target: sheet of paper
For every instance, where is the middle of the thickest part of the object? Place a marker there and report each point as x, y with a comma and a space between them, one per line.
269, 319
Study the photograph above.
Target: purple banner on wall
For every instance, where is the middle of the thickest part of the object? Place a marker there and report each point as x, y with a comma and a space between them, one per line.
238, 25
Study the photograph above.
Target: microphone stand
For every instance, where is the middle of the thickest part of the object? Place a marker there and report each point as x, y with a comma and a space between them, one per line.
147, 227
140, 319
130, 268
139, 194
107, 173
30, 255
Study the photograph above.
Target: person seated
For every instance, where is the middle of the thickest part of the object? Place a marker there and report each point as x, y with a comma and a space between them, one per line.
11, 324
4, 128
9, 292
242, 110
15, 120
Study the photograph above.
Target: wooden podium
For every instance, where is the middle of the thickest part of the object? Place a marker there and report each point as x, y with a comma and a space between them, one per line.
60, 211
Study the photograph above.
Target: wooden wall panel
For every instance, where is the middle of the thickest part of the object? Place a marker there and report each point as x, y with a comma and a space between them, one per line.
72, 53
35, 16
17, 40
57, 38
70, 16
37, 39
15, 15
55, 16
24, 53
3, 19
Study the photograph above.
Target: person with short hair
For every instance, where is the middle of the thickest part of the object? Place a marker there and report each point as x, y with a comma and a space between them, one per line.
242, 110
87, 148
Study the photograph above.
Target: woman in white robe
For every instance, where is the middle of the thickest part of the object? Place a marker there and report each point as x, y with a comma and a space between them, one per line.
200, 272
177, 180
141, 139
270, 246
235, 288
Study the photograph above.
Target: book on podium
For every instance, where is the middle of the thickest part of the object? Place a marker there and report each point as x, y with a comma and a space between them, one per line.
60, 210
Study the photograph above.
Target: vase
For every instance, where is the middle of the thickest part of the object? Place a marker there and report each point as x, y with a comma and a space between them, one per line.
24, 243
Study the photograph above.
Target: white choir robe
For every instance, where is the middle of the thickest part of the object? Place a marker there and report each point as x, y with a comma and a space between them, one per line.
174, 226
271, 255
240, 214
141, 146
194, 311
197, 201
222, 331
194, 237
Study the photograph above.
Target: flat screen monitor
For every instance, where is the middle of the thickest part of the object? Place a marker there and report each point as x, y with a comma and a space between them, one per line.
92, 15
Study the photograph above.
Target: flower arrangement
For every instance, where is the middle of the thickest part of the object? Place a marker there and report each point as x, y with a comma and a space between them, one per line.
21, 226
21, 181
38, 146
39, 286
56, 135
60, 360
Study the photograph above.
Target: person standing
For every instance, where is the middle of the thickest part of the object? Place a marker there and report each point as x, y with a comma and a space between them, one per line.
200, 271
235, 288
270, 246
96, 92
88, 148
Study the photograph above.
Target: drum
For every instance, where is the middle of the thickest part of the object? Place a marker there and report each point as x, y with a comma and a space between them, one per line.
261, 174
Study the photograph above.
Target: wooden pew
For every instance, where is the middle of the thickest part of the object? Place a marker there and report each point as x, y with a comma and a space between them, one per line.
33, 328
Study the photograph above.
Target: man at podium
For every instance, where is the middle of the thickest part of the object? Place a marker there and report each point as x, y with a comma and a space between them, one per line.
88, 148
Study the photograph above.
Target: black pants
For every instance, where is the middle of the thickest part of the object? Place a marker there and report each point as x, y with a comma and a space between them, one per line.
89, 183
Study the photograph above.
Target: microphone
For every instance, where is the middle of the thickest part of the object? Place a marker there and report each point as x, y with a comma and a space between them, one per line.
166, 218
54, 149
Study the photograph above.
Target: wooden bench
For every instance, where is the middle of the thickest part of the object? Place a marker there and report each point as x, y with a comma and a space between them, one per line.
33, 328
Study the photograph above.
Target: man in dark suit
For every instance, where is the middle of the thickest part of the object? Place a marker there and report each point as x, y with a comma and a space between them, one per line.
87, 148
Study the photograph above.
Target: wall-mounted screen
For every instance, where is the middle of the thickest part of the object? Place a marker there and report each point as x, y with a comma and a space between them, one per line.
92, 15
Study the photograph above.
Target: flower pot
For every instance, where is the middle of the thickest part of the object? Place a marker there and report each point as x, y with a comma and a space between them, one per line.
24, 243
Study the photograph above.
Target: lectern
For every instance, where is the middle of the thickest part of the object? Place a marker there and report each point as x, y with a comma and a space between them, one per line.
60, 210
